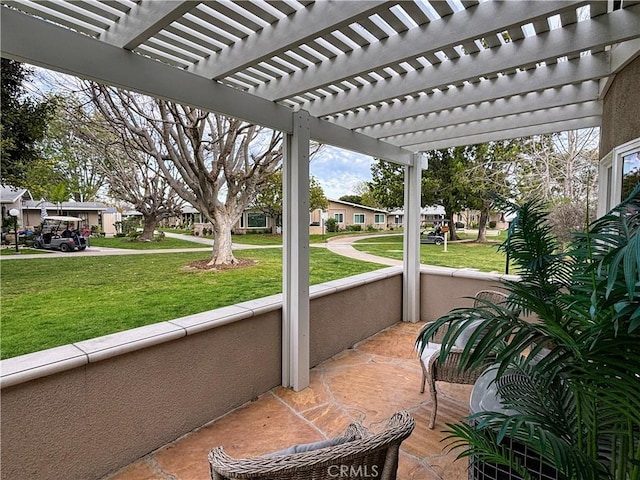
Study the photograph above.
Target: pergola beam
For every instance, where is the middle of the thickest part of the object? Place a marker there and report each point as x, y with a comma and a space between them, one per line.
574, 71
474, 22
615, 27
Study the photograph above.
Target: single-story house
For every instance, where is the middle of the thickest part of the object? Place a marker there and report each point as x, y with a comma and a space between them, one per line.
31, 211
429, 214
347, 214
12, 197
91, 212
436, 213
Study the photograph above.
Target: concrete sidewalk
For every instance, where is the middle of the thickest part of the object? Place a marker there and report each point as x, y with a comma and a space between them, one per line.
343, 246
338, 245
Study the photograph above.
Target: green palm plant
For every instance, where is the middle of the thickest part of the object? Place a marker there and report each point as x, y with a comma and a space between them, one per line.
575, 355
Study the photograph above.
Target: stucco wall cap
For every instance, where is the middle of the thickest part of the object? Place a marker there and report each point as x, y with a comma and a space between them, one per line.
40, 364
212, 318
118, 343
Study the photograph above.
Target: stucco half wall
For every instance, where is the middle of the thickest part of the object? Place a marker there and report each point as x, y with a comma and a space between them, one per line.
84, 410
621, 104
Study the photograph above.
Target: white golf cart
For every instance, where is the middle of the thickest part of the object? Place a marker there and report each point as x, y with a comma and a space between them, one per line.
61, 233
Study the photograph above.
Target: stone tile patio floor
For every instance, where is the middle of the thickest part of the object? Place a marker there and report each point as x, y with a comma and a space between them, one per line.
368, 382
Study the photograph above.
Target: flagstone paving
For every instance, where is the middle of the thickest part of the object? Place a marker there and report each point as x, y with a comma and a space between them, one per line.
367, 383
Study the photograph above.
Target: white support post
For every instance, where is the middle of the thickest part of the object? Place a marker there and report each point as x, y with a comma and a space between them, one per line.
295, 307
411, 275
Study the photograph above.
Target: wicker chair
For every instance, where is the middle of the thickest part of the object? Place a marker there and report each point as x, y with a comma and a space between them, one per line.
368, 455
449, 371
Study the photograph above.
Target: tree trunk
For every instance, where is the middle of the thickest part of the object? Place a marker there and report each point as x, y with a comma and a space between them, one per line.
482, 226
449, 214
222, 252
148, 227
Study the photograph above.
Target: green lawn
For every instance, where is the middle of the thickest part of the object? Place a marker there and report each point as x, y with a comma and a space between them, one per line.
269, 239
55, 301
484, 257
128, 243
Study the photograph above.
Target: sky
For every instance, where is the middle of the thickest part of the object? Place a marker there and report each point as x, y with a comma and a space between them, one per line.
340, 171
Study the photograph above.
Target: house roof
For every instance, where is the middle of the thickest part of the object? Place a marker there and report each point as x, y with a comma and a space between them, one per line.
12, 194
362, 207
385, 78
428, 210
75, 206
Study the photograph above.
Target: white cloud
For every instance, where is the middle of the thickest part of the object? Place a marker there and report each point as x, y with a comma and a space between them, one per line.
340, 171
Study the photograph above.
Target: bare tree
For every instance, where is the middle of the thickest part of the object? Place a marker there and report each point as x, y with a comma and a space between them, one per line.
560, 166
135, 178
215, 163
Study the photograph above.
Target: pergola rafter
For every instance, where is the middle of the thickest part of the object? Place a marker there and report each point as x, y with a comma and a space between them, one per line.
446, 32
613, 28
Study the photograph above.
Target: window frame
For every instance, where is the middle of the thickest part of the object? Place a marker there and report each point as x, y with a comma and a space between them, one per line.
253, 214
364, 218
610, 175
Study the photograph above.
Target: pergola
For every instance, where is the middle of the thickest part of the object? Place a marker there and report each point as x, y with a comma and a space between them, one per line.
388, 79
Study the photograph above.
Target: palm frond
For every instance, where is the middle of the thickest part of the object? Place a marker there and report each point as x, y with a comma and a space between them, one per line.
569, 383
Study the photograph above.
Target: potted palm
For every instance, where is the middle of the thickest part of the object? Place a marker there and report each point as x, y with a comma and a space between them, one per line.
575, 354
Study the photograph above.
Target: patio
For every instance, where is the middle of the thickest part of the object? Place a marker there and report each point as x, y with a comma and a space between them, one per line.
369, 382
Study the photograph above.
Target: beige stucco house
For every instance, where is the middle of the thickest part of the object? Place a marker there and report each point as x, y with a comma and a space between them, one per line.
31, 211
349, 214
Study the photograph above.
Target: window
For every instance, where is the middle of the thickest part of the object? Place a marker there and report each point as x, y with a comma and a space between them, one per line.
378, 218
630, 173
619, 173
339, 217
358, 218
256, 220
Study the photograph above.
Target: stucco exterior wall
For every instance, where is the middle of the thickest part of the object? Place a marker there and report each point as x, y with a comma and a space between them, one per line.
342, 319
621, 104
85, 422
442, 289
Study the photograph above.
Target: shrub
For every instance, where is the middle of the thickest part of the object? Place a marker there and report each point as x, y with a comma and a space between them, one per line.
332, 225
492, 224
353, 228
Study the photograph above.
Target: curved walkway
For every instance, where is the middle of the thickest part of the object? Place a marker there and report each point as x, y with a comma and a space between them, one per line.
344, 246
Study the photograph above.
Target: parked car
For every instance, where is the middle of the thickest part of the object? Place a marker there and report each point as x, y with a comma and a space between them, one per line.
61, 233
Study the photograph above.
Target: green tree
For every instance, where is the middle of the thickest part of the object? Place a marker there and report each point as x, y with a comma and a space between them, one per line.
490, 176
23, 122
70, 154
386, 186
269, 200
357, 199
363, 190
447, 181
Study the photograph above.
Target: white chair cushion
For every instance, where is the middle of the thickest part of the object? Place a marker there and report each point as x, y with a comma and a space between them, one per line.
465, 335
428, 352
